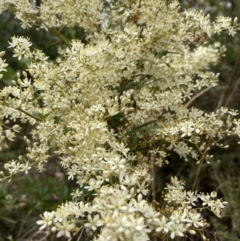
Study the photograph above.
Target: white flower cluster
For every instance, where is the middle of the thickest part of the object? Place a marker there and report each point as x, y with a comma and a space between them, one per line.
123, 217
3, 65
103, 108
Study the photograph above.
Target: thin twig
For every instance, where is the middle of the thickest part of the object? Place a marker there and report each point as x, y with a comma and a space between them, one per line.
59, 36
220, 101
28, 114
232, 93
153, 178
209, 142
196, 96
140, 2
230, 83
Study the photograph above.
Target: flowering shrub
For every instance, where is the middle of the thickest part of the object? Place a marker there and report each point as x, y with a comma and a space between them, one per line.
112, 108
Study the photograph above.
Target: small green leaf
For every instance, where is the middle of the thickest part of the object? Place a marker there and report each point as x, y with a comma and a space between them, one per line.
143, 127
40, 115
8, 220
57, 119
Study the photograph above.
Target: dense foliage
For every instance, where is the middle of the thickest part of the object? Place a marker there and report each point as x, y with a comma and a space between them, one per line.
113, 106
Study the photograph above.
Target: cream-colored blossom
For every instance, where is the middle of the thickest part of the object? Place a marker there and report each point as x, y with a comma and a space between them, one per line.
103, 107
47, 220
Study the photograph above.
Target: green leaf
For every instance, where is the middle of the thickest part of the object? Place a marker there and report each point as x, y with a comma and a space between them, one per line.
8, 220
57, 119
40, 115
144, 127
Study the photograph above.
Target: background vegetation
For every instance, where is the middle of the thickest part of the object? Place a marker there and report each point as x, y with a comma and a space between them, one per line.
224, 173
27, 196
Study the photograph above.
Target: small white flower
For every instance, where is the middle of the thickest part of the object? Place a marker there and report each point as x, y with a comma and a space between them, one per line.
196, 219
164, 225
47, 219
94, 222
177, 230
64, 228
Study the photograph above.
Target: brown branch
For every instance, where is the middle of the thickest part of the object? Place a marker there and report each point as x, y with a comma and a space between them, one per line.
196, 96
154, 178
230, 83
209, 142
232, 93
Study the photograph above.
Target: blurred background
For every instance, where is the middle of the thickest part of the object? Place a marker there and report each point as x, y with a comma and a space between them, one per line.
24, 198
